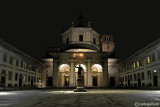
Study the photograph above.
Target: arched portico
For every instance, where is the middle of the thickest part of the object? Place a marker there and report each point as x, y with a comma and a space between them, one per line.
63, 75
97, 75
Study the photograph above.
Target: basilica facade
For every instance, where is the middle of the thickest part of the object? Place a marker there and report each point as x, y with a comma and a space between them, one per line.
94, 52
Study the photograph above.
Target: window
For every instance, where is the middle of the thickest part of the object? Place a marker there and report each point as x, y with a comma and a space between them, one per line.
24, 78
28, 78
125, 78
67, 40
134, 65
107, 39
149, 75
21, 64
148, 60
30, 67
9, 75
80, 37
3, 71
153, 57
25, 65
142, 75
131, 77
94, 41
137, 63
4, 57
17, 62
141, 62
16, 76
135, 78
11, 60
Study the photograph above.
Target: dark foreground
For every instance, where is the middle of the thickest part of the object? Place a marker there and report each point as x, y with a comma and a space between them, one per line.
91, 98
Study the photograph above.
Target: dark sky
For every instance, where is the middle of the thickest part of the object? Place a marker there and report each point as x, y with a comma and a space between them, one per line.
32, 26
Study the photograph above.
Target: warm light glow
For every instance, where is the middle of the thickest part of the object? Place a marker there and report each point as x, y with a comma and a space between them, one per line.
137, 63
64, 67
134, 65
97, 67
6, 93
78, 55
80, 50
148, 60
83, 66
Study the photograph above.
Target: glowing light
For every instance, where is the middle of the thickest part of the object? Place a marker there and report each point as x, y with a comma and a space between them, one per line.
134, 65
6, 93
83, 66
97, 67
78, 55
80, 50
148, 60
64, 66
137, 63
155, 70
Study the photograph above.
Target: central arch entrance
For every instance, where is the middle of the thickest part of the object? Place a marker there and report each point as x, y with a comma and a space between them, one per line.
97, 75
63, 75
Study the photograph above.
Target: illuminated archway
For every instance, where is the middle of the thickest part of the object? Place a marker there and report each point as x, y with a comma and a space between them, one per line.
63, 75
97, 75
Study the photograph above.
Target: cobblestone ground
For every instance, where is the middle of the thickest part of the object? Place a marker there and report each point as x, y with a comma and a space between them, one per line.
91, 98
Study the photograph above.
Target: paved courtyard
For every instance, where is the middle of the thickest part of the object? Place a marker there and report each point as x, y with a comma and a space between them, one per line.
91, 98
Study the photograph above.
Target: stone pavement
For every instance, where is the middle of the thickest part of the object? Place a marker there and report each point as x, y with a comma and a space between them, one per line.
91, 98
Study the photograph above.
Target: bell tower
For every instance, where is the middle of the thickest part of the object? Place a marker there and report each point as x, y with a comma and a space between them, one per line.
107, 43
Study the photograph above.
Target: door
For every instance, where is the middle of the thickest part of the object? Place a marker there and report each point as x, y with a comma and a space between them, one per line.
94, 81
128, 82
32, 82
139, 81
3, 81
155, 81
112, 81
49, 81
20, 80
66, 81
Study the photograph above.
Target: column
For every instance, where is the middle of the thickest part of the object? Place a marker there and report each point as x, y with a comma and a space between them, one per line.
72, 75
27, 78
13, 72
55, 74
105, 74
36, 77
145, 73
89, 80
44, 77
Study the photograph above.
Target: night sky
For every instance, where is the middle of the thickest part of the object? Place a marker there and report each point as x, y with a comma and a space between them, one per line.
33, 26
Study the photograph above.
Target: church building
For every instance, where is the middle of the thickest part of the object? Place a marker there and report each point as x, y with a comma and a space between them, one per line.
93, 51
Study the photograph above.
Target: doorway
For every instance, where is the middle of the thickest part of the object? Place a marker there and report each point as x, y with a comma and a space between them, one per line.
3, 81
129, 83
32, 82
66, 81
20, 80
139, 81
155, 81
49, 81
112, 81
94, 81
